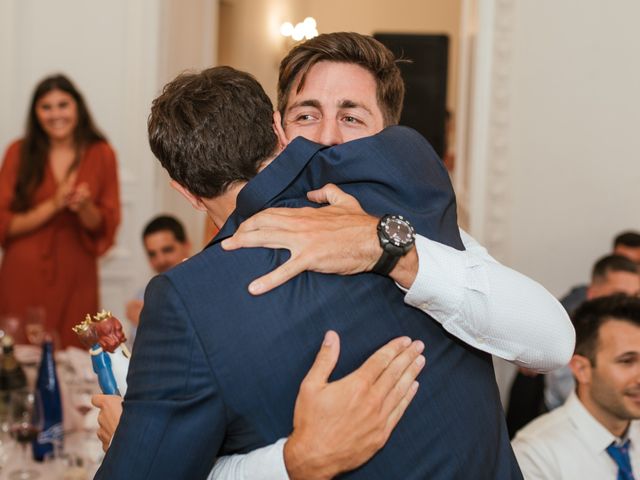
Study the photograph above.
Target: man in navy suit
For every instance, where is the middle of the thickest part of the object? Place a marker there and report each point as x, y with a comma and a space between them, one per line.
216, 370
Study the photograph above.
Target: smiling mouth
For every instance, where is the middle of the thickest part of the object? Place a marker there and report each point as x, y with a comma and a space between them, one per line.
59, 126
634, 396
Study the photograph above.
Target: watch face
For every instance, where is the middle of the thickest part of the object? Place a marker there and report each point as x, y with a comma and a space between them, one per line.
398, 231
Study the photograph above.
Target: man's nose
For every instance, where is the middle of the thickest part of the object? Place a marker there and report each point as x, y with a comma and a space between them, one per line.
331, 134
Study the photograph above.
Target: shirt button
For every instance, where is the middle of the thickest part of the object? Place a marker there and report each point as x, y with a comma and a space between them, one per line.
425, 305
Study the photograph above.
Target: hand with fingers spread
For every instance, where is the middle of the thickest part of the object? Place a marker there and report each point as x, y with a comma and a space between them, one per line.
339, 426
338, 238
110, 411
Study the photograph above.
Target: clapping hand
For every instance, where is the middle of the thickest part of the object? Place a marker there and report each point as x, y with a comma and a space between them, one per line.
79, 198
64, 192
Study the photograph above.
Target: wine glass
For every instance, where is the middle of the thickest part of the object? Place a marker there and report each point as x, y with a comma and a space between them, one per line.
34, 325
26, 420
81, 392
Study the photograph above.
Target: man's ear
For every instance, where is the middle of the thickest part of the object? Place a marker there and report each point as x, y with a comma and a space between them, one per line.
277, 127
581, 368
194, 200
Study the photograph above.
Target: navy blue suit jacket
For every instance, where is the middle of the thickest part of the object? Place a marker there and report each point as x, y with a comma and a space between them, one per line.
216, 371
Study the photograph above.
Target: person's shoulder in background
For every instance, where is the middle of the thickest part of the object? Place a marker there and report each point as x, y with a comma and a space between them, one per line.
576, 296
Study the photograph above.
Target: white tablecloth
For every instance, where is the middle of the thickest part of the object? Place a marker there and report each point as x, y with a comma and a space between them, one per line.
79, 459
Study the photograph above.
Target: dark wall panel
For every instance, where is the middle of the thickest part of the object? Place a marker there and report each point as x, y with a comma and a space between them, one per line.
425, 101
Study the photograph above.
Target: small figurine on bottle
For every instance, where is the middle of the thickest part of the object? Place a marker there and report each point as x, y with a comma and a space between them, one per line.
104, 337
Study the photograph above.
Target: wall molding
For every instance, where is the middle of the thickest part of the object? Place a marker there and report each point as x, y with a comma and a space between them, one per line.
484, 119
498, 175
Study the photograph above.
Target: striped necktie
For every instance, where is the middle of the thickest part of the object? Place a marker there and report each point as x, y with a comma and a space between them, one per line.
620, 455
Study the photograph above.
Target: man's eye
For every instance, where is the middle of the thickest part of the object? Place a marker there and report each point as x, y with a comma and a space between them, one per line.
350, 119
304, 117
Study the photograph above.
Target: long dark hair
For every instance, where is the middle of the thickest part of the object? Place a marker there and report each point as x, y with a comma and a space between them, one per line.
35, 145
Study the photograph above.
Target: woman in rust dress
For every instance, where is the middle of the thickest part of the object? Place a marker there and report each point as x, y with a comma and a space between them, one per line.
59, 210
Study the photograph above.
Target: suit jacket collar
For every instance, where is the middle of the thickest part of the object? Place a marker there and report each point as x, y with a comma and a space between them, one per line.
268, 184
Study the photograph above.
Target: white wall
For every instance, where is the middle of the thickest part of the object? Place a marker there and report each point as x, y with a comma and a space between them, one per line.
554, 165
576, 176
250, 40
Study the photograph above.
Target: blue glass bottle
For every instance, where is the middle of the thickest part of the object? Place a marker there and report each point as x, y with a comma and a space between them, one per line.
49, 390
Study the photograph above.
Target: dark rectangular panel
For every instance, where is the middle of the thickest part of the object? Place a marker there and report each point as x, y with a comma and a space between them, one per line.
425, 101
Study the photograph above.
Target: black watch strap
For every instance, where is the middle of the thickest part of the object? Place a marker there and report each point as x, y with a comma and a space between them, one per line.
396, 237
385, 263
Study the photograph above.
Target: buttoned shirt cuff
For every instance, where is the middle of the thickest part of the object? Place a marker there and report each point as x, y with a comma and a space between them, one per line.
444, 277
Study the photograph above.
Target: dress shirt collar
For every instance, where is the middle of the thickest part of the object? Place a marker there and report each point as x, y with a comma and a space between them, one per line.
591, 431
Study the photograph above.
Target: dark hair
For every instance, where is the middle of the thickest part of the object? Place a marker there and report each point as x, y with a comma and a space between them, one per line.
212, 129
612, 263
346, 47
628, 239
591, 315
163, 223
35, 145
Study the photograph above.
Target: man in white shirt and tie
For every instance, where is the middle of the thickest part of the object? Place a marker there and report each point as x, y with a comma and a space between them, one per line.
595, 434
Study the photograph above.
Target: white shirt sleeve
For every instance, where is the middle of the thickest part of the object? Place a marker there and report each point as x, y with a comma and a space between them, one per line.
266, 463
489, 306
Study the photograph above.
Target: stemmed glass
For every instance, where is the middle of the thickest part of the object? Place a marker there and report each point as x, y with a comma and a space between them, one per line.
26, 421
81, 393
34, 325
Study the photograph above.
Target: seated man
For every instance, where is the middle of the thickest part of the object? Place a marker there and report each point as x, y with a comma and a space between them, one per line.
626, 244
212, 381
166, 245
610, 275
595, 434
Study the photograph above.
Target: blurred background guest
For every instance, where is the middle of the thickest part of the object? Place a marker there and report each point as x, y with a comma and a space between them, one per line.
626, 244
166, 245
533, 394
611, 275
59, 210
595, 434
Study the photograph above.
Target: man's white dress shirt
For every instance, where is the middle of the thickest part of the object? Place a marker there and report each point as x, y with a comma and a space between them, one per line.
485, 304
570, 444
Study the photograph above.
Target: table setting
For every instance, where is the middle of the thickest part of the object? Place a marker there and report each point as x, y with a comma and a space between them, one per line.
79, 452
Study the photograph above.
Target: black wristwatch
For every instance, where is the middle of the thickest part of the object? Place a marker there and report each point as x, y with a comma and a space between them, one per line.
396, 236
